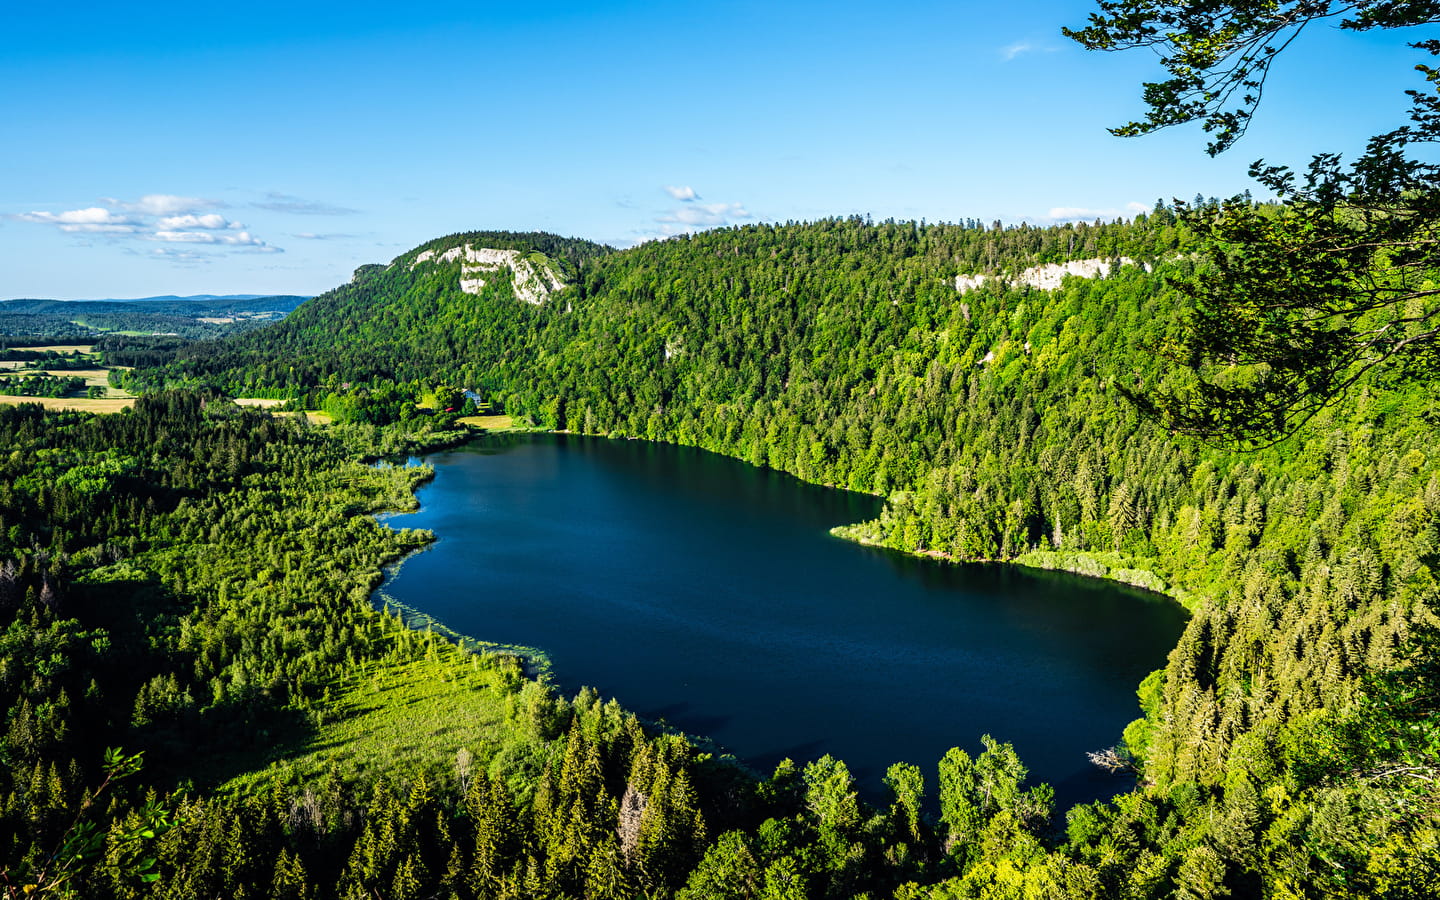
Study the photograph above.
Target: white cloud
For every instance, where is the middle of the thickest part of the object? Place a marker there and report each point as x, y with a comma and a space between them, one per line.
167, 218
1019, 48
208, 220
181, 257
239, 239
164, 204
689, 217
705, 215
92, 216
101, 229
184, 237
1058, 214
93, 220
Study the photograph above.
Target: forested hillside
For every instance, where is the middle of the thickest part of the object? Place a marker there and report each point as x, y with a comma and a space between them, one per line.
1290, 746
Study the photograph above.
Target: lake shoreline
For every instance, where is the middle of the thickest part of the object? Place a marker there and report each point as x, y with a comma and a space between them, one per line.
1109, 566
1013, 626
536, 664
1100, 567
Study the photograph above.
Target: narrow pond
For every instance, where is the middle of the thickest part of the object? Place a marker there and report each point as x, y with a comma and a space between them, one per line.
700, 590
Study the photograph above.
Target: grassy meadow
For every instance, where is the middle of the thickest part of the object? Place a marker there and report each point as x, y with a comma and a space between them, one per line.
451, 711
489, 423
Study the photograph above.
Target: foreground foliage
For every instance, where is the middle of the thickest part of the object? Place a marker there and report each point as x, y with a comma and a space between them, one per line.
1301, 302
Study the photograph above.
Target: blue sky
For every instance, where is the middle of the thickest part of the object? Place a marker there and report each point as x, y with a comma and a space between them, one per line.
273, 147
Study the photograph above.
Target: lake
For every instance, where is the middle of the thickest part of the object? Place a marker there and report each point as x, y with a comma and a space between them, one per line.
708, 593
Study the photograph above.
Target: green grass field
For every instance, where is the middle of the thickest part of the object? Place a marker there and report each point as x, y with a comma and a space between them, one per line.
489, 423
401, 718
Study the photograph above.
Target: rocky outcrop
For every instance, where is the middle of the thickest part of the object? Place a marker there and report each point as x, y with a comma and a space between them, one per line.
1050, 276
532, 281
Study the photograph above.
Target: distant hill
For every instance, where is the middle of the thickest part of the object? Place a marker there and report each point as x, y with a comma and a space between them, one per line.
188, 297
199, 317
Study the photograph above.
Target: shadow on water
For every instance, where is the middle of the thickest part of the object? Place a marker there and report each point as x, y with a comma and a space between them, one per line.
698, 589
696, 721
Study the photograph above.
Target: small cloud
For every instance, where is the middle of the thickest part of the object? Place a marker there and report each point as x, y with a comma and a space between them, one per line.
239, 239
93, 220
209, 220
1019, 48
691, 216
164, 204
312, 236
179, 257
705, 215
1061, 214
288, 203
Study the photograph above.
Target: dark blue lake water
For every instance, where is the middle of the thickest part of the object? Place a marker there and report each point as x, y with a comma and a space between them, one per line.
700, 590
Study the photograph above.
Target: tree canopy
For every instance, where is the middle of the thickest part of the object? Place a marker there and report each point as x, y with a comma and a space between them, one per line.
1304, 297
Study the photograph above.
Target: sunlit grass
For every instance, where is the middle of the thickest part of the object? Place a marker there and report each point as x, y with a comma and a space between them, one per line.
60, 348
82, 404
399, 717
262, 402
489, 423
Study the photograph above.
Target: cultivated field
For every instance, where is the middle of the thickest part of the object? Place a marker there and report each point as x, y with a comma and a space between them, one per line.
92, 377
83, 404
61, 348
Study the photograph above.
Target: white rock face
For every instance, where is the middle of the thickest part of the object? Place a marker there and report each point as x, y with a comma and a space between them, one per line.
531, 283
1048, 277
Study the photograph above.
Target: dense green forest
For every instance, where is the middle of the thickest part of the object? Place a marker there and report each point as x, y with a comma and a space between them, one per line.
1289, 748
40, 385
190, 579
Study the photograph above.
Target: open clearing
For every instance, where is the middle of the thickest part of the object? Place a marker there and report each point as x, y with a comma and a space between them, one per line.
316, 417
490, 423
83, 404
59, 348
92, 377
408, 717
